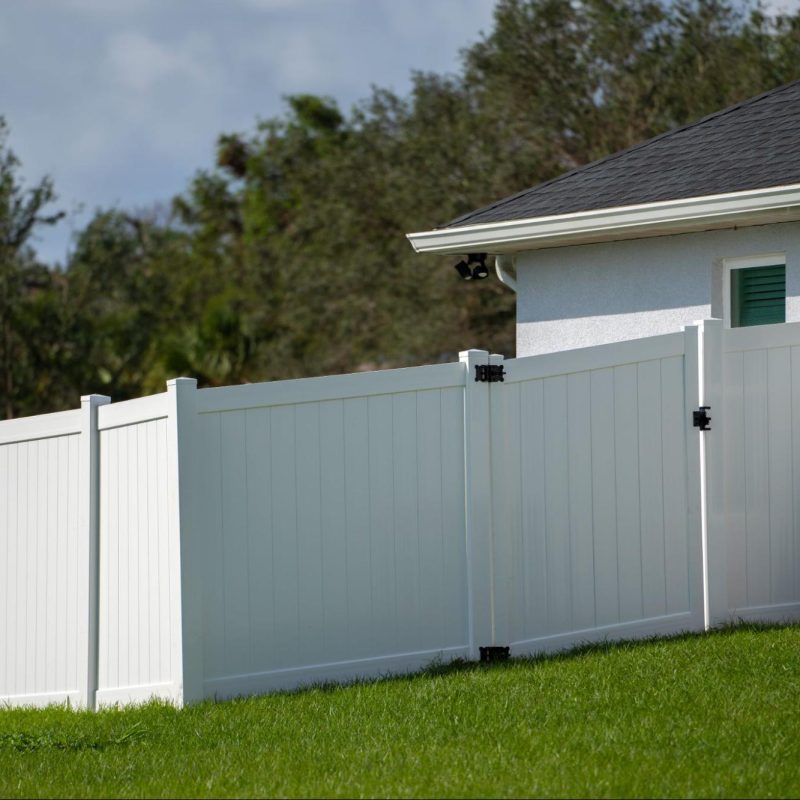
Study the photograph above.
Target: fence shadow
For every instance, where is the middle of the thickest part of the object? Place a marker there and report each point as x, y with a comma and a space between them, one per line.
439, 669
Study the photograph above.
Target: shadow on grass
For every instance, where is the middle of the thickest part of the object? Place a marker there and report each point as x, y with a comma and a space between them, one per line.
435, 670
439, 668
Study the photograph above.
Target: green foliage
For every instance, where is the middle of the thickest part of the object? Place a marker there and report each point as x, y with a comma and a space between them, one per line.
287, 257
26, 287
694, 716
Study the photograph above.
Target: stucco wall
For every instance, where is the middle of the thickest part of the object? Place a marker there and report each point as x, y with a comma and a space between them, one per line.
592, 294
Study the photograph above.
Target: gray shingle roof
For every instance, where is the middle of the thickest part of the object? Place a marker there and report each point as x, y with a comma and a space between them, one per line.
752, 145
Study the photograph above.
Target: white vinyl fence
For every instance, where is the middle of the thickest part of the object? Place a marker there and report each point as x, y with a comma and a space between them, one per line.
215, 542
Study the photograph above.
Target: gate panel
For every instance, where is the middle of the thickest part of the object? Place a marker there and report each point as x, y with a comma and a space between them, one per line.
761, 443
594, 459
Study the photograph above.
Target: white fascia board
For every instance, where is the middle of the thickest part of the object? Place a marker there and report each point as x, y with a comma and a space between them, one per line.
755, 206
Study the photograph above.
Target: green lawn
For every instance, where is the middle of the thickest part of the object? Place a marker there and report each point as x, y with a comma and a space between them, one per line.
712, 715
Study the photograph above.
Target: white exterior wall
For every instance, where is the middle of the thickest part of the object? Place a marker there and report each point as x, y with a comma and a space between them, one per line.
594, 294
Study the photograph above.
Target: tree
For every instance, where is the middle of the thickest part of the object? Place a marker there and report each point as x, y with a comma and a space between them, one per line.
287, 257
24, 283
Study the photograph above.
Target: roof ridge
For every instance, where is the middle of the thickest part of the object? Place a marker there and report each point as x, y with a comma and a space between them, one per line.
638, 146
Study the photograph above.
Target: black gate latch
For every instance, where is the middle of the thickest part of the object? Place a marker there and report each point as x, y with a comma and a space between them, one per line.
489, 373
701, 419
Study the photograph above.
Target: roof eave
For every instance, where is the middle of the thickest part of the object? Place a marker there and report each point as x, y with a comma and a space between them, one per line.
751, 207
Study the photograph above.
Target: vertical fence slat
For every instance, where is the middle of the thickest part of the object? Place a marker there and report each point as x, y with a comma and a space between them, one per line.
234, 533
579, 416
779, 400
309, 532
651, 491
259, 535
334, 530
359, 554
795, 434
534, 520
381, 524
735, 497
756, 443
626, 448
674, 475
604, 493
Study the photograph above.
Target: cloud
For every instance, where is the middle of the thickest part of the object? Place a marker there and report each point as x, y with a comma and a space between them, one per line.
122, 100
106, 8
138, 61
782, 6
275, 5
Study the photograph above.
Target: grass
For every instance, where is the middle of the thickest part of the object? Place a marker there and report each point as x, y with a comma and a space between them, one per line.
698, 715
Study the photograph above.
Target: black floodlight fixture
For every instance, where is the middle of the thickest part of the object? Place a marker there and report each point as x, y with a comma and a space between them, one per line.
473, 267
479, 271
462, 268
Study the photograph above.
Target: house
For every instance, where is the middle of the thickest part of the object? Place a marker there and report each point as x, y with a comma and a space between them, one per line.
702, 221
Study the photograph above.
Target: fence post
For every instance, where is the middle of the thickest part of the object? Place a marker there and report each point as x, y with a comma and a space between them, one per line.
695, 476
89, 514
182, 450
478, 486
501, 513
715, 559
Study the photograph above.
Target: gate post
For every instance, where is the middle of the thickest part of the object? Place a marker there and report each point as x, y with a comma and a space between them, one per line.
478, 499
501, 514
715, 558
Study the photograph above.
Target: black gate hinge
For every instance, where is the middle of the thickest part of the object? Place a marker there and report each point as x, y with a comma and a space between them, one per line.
490, 654
701, 419
489, 373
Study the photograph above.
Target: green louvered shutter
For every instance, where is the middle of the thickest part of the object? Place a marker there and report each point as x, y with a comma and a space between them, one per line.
758, 295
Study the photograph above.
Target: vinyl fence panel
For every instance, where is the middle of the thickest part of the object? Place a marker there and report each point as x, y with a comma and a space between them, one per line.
596, 523
43, 562
332, 519
139, 586
761, 433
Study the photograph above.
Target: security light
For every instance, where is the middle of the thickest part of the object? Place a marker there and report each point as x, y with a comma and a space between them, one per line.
479, 271
462, 268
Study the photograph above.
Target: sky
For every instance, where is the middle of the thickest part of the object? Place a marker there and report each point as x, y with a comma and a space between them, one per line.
121, 101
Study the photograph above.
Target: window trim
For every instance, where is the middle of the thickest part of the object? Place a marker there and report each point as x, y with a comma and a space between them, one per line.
744, 262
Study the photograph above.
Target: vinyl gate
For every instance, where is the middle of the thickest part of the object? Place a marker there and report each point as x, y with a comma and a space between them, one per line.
215, 542
595, 495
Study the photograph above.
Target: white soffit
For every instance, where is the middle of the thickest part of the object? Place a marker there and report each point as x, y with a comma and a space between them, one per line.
752, 207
